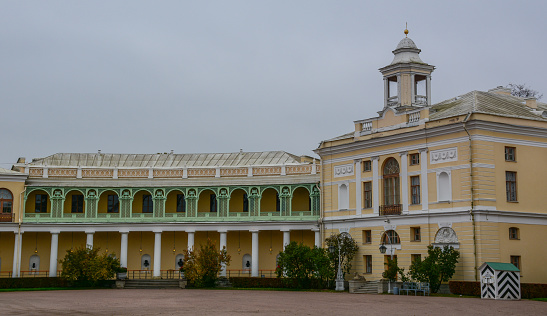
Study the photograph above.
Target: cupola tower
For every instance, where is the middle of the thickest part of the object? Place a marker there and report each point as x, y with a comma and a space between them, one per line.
407, 80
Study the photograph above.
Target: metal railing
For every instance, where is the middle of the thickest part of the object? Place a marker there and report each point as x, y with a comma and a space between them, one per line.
247, 273
395, 209
6, 217
148, 274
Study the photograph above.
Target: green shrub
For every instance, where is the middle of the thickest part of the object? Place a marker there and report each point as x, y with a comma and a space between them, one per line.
201, 268
438, 267
86, 267
348, 248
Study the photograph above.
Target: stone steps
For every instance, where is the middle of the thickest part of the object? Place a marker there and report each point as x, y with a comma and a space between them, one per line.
151, 284
370, 287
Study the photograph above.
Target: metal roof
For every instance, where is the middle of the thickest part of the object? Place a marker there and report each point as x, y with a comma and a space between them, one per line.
500, 266
167, 160
10, 172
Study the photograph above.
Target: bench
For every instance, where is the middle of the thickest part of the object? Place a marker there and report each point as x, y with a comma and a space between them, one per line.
416, 287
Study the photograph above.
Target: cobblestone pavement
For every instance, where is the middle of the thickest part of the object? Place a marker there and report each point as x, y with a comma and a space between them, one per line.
234, 302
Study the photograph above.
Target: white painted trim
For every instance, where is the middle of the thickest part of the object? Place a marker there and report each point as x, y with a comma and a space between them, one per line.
404, 181
358, 187
375, 186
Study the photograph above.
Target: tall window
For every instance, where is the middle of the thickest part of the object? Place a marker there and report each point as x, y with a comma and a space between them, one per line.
391, 237
277, 203
6, 201
368, 264
77, 203
415, 189
415, 233
510, 154
213, 203
245, 202
511, 186
368, 194
367, 165
414, 159
40, 204
515, 260
391, 182
113, 204
181, 203
367, 236
416, 257
147, 206
513, 233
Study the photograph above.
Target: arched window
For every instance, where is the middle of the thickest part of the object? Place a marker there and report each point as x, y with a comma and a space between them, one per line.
6, 201
146, 262
391, 182
390, 237
343, 197
34, 263
247, 262
443, 187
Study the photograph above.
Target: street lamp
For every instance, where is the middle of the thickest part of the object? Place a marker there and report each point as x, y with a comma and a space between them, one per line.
339, 275
383, 250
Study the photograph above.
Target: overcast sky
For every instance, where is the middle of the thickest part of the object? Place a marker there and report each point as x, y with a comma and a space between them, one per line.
217, 76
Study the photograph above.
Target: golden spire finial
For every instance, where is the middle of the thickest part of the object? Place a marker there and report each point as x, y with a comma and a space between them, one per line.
406, 29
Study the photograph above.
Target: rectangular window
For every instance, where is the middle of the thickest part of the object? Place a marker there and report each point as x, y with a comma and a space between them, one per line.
513, 233
367, 165
213, 203
367, 236
415, 189
511, 186
414, 159
113, 204
416, 257
368, 264
147, 204
181, 203
245, 203
510, 154
77, 203
40, 204
6, 207
515, 260
368, 194
415, 233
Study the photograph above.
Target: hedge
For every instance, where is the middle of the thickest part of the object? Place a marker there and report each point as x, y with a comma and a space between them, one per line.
528, 290
246, 282
42, 282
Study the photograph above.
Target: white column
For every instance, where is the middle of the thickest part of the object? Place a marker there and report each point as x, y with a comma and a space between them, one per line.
423, 179
254, 253
317, 238
53, 254
223, 244
123, 249
286, 238
375, 186
358, 187
386, 91
190, 240
404, 181
89, 241
157, 254
428, 89
17, 255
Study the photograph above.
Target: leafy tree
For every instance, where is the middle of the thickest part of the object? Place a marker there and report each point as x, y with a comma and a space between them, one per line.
392, 270
201, 267
522, 91
348, 249
87, 267
438, 267
304, 264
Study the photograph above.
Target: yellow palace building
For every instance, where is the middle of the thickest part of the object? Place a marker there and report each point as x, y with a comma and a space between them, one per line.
468, 172
148, 209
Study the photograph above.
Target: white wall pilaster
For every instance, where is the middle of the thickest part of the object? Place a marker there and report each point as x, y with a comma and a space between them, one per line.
89, 241
53, 254
404, 180
190, 241
358, 187
254, 253
223, 239
286, 238
17, 255
317, 238
157, 254
123, 249
423, 179
375, 185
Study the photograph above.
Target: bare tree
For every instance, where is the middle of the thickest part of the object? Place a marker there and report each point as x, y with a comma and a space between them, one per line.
522, 91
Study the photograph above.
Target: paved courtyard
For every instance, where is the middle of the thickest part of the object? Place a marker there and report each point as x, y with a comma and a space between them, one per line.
232, 302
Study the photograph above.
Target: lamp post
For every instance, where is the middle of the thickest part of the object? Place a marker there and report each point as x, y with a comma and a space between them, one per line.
339, 275
383, 249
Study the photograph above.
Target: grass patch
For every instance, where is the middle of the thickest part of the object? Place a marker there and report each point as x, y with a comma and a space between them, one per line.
541, 299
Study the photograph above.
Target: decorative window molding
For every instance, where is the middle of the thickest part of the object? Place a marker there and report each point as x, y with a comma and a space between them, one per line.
443, 155
446, 236
343, 170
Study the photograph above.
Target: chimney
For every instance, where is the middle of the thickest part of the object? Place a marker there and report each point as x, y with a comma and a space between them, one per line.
531, 103
500, 90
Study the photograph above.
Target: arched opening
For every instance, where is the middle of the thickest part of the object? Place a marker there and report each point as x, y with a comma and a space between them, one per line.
247, 262
179, 261
34, 263
146, 262
269, 201
38, 202
239, 201
343, 197
74, 202
108, 202
444, 190
390, 237
143, 202
6, 201
176, 202
301, 200
207, 202
392, 191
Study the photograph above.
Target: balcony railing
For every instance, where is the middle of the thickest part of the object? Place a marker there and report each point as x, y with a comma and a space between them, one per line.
6, 217
395, 209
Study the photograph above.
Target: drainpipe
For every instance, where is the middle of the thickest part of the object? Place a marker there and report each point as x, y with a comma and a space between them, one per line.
472, 197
